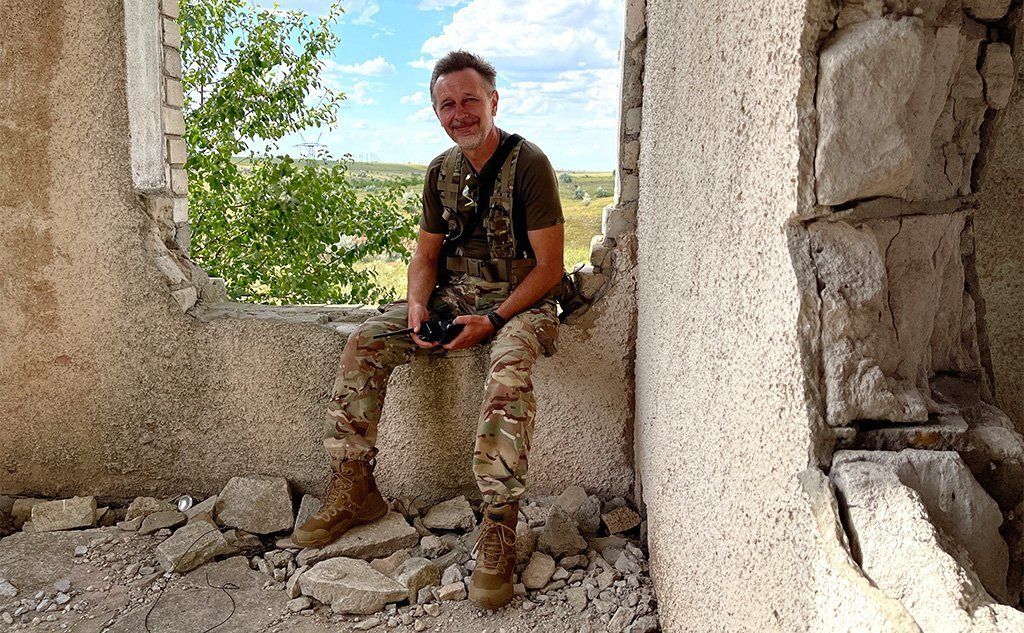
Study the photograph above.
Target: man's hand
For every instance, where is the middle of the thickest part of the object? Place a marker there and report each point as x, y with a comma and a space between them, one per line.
477, 328
418, 313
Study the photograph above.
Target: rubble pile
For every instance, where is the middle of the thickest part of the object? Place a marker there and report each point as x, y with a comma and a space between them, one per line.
581, 561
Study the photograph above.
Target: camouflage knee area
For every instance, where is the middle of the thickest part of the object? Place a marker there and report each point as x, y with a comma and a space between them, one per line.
363, 371
505, 433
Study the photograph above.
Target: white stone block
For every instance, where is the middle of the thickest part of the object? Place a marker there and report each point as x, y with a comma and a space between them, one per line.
174, 121
172, 62
171, 33
173, 95
169, 8
179, 181
143, 63
180, 213
186, 298
176, 151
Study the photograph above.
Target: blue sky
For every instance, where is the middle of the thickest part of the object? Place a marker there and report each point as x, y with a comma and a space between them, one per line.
558, 75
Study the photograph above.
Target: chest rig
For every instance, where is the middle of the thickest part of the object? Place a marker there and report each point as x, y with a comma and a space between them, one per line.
509, 258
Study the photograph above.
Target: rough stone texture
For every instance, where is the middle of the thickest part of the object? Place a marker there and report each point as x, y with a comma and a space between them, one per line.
207, 506
997, 71
381, 538
899, 108
526, 541
389, 564
539, 570
309, 506
161, 520
453, 514
986, 9
560, 535
257, 504
192, 545
886, 516
956, 504
21, 510
350, 586
89, 320
415, 574
620, 520
64, 514
588, 516
30, 561
999, 259
893, 311
571, 499
144, 506
726, 415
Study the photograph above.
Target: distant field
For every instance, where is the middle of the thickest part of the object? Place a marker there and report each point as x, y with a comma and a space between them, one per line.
582, 216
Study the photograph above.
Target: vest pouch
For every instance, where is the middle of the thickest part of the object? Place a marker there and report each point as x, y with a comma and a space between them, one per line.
570, 298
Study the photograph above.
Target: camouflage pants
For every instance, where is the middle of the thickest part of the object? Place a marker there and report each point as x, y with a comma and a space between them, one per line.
505, 426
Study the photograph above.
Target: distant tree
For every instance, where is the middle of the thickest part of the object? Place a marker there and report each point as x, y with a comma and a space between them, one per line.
565, 177
278, 230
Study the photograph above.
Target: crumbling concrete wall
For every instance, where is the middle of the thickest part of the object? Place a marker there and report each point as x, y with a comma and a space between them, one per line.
999, 230
806, 281
723, 420
108, 387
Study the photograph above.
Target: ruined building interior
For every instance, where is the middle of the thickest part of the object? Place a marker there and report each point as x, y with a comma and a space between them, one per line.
801, 363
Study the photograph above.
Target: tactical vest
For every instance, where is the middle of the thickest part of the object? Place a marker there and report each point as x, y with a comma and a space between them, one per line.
508, 260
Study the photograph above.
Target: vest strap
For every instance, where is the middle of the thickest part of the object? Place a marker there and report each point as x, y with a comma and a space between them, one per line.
506, 270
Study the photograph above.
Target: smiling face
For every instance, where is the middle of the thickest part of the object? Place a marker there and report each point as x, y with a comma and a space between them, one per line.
465, 105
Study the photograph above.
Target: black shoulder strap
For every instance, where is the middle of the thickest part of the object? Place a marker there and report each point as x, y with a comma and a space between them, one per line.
486, 185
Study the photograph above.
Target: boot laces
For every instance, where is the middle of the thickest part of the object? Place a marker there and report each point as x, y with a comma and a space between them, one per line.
495, 544
337, 498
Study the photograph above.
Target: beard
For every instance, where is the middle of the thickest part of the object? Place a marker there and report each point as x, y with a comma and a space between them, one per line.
472, 141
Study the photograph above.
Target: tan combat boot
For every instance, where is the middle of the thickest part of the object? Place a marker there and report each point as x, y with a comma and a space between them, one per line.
491, 584
352, 499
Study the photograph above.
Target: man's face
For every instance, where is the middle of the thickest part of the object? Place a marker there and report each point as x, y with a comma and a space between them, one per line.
465, 105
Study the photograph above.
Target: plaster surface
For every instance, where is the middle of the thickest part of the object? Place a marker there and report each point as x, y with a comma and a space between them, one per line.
724, 419
107, 388
999, 232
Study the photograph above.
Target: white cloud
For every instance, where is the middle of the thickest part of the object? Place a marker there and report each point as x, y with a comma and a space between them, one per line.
423, 114
531, 36
376, 66
359, 93
437, 5
361, 11
422, 63
416, 98
356, 11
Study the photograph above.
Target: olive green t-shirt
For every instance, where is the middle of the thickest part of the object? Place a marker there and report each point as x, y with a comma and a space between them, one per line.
534, 197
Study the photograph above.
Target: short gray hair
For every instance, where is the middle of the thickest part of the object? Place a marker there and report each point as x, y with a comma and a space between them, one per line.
461, 60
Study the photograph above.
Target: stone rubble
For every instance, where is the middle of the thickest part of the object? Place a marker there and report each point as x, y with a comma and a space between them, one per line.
454, 514
375, 540
260, 504
64, 514
387, 574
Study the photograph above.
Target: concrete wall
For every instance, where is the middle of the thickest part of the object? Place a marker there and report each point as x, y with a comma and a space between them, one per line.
107, 387
999, 228
805, 280
722, 428
743, 526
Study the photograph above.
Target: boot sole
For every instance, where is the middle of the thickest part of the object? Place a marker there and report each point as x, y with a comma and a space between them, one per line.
377, 508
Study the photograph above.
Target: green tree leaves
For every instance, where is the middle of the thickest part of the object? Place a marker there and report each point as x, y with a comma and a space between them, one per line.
278, 230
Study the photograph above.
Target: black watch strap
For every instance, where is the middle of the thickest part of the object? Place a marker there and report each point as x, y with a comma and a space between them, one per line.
496, 320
